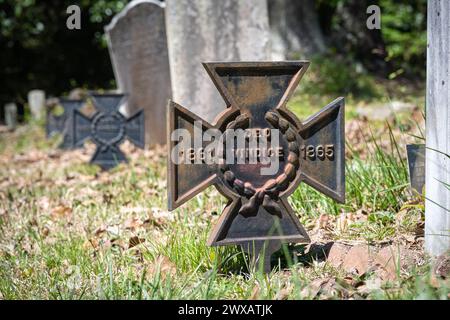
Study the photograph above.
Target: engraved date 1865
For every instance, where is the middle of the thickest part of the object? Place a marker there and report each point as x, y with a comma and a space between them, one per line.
321, 152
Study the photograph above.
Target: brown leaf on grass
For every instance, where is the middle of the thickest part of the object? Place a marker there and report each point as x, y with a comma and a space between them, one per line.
30, 157
442, 266
91, 243
61, 211
322, 222
134, 241
163, 266
284, 293
329, 289
45, 231
255, 292
357, 260
313, 289
132, 223
107, 197
100, 230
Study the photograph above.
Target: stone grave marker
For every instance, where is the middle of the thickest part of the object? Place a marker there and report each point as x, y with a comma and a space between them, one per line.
11, 115
137, 44
416, 166
205, 30
294, 29
36, 102
108, 128
258, 216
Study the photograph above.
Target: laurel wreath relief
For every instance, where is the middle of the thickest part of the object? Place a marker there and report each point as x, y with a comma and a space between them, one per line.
266, 196
107, 144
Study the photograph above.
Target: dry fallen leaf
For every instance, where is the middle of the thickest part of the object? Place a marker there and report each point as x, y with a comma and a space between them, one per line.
164, 266
442, 266
134, 241
99, 231
322, 222
255, 293
313, 288
284, 293
61, 211
132, 224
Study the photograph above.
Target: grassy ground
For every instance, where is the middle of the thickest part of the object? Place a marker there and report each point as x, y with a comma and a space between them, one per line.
69, 231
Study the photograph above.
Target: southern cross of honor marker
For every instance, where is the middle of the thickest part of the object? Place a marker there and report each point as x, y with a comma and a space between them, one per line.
61, 123
258, 216
416, 166
108, 128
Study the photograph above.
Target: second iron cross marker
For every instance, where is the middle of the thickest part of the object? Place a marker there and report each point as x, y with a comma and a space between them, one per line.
258, 216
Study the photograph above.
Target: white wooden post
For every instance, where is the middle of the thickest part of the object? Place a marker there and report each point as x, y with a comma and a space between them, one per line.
437, 206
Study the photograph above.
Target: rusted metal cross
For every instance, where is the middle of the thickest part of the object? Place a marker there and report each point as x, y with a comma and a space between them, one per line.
258, 216
108, 128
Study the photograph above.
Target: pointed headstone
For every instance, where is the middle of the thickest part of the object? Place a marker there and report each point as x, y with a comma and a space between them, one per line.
205, 30
138, 49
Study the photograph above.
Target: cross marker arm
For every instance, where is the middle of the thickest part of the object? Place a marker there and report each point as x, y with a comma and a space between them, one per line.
322, 151
81, 127
186, 177
135, 129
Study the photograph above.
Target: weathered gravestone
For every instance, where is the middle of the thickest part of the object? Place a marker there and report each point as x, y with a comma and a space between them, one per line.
416, 166
63, 123
294, 29
256, 127
36, 102
205, 30
11, 115
108, 128
138, 49
437, 203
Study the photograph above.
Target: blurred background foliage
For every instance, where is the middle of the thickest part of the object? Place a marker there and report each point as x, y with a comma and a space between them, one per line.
38, 51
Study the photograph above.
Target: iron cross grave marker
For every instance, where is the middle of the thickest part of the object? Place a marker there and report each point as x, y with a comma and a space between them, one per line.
62, 123
416, 166
260, 154
108, 128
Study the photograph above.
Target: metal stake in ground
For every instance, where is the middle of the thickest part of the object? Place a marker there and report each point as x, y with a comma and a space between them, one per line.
416, 167
258, 216
108, 128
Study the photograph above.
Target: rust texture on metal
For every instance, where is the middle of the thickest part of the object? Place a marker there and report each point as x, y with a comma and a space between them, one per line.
108, 128
416, 166
258, 214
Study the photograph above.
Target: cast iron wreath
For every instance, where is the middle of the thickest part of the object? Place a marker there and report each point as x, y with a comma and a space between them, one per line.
267, 195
